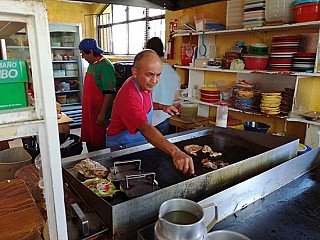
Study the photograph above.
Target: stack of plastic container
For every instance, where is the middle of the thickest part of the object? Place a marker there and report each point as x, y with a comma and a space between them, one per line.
254, 13
279, 10
234, 14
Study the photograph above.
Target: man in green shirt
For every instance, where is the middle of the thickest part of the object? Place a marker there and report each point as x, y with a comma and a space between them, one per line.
99, 89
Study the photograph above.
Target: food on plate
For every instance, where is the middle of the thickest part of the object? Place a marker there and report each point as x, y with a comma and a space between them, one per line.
101, 186
91, 169
192, 149
213, 164
207, 149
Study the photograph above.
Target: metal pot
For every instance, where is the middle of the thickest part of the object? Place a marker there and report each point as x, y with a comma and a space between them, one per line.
182, 219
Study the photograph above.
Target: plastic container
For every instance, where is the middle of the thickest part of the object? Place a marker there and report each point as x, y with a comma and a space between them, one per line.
256, 62
256, 127
11, 160
62, 99
222, 115
189, 111
279, 10
307, 12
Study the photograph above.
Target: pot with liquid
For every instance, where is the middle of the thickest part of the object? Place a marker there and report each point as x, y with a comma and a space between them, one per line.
182, 219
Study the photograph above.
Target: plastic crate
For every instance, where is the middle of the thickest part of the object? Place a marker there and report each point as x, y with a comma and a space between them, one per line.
279, 10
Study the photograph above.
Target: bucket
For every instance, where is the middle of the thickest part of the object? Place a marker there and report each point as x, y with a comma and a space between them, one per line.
11, 160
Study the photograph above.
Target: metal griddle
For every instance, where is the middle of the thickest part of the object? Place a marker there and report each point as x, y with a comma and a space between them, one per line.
248, 154
281, 203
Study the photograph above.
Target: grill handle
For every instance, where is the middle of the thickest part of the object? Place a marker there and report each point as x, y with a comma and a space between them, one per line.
143, 175
83, 222
126, 162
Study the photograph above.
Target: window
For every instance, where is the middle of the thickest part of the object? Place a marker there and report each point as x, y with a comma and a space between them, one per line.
123, 30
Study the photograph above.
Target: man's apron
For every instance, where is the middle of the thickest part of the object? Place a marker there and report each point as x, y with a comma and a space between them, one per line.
125, 137
91, 103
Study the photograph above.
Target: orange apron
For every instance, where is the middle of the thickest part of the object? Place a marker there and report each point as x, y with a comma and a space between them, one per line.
92, 100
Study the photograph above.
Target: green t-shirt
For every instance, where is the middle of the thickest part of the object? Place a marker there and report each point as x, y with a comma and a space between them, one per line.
103, 72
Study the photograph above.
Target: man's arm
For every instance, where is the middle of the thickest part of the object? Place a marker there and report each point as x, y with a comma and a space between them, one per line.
107, 100
181, 160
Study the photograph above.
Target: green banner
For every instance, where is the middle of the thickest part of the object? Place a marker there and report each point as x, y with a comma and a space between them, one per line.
12, 71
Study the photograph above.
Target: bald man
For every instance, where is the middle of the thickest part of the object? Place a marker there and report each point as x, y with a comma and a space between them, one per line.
132, 111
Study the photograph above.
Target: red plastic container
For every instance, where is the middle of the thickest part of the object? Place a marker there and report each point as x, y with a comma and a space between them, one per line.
307, 12
256, 62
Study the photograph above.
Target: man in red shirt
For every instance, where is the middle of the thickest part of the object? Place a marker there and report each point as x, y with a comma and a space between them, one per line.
132, 111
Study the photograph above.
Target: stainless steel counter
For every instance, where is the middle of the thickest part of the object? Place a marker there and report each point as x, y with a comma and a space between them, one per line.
248, 154
281, 203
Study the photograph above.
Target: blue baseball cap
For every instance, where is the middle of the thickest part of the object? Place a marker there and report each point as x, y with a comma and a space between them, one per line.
90, 44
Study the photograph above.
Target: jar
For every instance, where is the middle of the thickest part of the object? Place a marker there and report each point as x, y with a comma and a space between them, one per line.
189, 111
222, 115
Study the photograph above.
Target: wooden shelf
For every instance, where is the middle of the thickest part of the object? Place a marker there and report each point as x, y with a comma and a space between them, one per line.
303, 25
288, 73
251, 112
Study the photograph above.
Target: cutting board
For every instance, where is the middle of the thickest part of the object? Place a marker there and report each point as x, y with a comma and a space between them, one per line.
20, 216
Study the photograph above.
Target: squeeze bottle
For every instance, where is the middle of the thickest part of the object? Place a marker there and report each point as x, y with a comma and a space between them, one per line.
222, 115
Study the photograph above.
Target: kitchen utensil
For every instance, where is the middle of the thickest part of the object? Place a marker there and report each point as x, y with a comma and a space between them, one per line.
139, 184
182, 219
203, 47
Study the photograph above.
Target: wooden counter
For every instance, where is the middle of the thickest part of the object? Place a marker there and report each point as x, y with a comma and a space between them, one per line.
19, 214
183, 125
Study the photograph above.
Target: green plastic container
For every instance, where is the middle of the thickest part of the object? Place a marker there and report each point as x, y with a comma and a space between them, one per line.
13, 78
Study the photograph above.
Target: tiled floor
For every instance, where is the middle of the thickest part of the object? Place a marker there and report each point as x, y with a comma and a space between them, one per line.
77, 131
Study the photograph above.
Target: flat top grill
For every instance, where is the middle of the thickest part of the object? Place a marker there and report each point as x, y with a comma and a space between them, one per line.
247, 153
154, 160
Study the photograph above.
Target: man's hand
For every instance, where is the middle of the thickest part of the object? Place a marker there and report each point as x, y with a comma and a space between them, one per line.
101, 120
183, 162
172, 110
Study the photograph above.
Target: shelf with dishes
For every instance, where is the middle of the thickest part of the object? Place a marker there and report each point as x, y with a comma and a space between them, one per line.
251, 112
289, 73
302, 25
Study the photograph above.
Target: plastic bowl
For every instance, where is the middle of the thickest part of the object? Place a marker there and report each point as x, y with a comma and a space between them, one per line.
307, 12
258, 62
256, 126
258, 48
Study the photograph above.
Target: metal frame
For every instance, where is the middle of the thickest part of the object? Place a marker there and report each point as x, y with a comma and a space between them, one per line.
40, 120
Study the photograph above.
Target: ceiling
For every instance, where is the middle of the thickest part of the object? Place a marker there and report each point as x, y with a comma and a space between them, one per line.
172, 5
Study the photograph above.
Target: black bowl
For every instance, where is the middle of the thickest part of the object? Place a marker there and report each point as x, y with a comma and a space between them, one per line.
256, 126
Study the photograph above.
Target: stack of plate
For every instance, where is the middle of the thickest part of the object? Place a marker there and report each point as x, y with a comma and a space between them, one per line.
282, 51
244, 99
242, 95
254, 13
270, 103
234, 19
286, 101
304, 62
210, 94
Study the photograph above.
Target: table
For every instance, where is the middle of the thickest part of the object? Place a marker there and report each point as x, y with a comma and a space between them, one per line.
183, 125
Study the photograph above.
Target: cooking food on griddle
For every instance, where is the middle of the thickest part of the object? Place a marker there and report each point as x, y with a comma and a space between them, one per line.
101, 187
207, 163
192, 149
207, 149
91, 169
